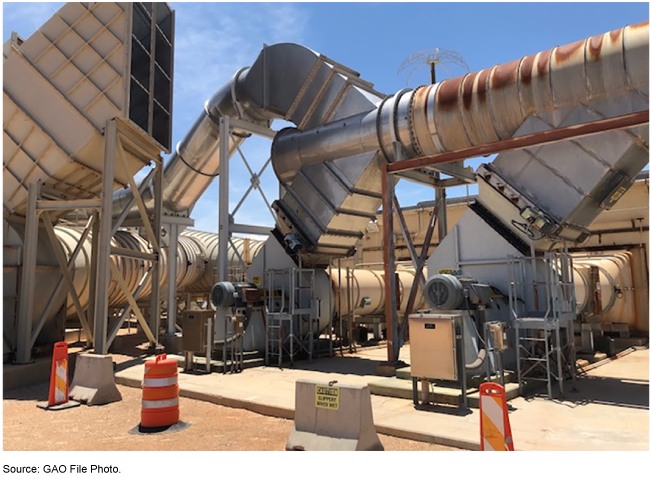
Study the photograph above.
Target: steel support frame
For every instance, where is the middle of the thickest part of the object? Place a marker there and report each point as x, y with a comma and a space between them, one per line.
38, 209
227, 225
95, 320
104, 269
395, 336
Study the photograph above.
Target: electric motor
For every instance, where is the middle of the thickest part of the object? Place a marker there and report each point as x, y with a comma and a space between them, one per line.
223, 294
444, 291
226, 294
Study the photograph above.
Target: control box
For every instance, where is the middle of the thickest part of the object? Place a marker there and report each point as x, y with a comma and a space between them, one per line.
433, 346
195, 323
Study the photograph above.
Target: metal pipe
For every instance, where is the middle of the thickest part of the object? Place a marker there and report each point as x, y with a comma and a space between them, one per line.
477, 109
534, 139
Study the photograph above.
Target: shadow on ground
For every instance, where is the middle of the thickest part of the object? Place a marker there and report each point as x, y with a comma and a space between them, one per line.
608, 391
339, 365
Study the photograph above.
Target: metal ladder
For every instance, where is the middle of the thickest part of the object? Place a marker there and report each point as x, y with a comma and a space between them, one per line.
542, 305
289, 302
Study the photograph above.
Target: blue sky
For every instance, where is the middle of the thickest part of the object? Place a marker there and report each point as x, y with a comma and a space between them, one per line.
214, 40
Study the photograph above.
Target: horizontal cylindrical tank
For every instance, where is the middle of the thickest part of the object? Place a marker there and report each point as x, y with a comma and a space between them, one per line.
367, 291
615, 290
244, 248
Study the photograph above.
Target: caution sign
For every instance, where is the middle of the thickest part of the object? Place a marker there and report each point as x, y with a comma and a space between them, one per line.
327, 397
445, 271
257, 280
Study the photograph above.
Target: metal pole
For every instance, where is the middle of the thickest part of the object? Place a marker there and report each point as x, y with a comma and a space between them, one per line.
154, 318
441, 201
104, 241
93, 274
28, 280
392, 332
224, 217
172, 257
534, 139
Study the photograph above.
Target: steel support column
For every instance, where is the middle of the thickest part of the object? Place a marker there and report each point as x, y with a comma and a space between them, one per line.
154, 308
224, 219
441, 199
103, 252
392, 332
172, 258
28, 279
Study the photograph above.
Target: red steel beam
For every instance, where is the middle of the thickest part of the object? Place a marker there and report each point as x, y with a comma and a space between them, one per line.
526, 141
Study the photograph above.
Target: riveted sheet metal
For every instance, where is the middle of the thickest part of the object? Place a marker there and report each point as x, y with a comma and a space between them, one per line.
503, 98
475, 112
448, 117
635, 44
568, 81
419, 123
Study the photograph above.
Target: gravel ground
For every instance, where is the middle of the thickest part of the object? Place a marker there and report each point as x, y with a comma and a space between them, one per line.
106, 428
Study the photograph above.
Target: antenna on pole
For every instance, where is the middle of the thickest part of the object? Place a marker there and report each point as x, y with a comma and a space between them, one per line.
433, 58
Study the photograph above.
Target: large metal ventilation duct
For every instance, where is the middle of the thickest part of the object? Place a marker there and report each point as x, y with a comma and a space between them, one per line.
327, 164
287, 81
89, 63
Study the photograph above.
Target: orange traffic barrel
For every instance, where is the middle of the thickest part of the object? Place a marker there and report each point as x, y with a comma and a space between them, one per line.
160, 393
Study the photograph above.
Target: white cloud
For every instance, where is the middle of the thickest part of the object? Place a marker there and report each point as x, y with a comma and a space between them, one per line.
26, 17
215, 40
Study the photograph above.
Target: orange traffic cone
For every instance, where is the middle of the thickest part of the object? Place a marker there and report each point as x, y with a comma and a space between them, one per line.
58, 398
495, 425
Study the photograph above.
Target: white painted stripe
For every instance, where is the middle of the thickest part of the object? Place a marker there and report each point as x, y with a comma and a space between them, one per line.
62, 373
159, 404
486, 445
159, 382
59, 396
493, 411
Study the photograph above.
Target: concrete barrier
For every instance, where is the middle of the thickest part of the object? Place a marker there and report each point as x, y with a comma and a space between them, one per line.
333, 417
94, 381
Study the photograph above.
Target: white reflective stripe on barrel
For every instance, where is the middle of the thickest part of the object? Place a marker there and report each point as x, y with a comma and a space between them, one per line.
159, 382
159, 404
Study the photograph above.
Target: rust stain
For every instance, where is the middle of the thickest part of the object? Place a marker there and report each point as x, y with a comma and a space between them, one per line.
504, 75
481, 87
526, 69
639, 25
447, 97
543, 59
468, 85
594, 45
566, 52
425, 93
615, 35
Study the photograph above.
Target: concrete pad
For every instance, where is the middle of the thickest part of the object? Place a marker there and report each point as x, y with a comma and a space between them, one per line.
93, 382
608, 412
401, 388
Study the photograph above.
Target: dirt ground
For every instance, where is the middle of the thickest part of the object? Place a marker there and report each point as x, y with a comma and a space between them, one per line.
106, 428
